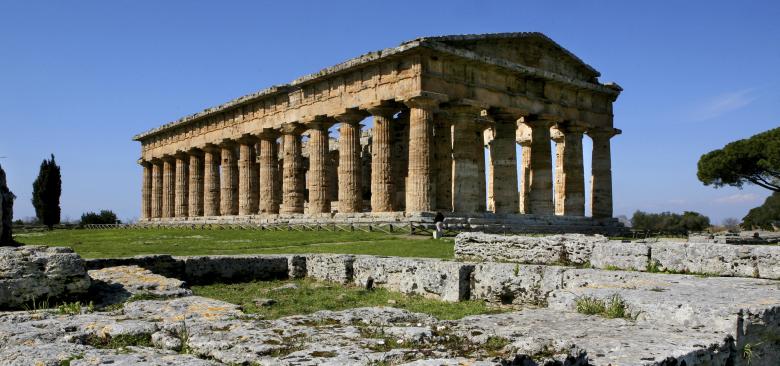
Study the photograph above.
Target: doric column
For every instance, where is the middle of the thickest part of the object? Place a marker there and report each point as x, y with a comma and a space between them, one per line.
196, 183
318, 147
524, 139
269, 173
420, 189
247, 191
400, 165
229, 180
146, 190
503, 157
292, 182
350, 197
442, 131
169, 187
540, 195
569, 175
181, 198
157, 184
601, 172
211, 184
382, 180
480, 154
467, 153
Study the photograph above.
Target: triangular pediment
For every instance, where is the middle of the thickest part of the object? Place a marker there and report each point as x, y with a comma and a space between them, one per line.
527, 48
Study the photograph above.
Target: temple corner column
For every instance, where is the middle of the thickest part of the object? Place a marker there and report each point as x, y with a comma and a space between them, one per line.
420, 188
146, 190
601, 172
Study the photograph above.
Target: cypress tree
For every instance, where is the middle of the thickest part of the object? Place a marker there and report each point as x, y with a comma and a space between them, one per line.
6, 211
46, 193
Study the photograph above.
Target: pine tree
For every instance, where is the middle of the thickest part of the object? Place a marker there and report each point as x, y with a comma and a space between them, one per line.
46, 193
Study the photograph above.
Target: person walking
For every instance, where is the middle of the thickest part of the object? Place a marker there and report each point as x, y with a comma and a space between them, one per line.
439, 222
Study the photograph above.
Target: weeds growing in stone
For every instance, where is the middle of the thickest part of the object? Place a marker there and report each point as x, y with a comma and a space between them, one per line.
612, 307
120, 341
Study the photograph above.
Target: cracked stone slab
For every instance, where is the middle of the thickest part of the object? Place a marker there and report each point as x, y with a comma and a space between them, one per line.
116, 284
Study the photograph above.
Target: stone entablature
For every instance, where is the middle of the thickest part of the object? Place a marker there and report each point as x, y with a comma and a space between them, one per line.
423, 93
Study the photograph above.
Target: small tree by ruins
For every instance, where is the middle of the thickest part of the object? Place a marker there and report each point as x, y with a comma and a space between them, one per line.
46, 193
6, 211
104, 217
670, 222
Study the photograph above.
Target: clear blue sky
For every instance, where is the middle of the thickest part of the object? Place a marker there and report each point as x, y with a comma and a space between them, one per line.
79, 79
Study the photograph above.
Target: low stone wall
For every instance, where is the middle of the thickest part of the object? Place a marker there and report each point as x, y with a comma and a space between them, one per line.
162, 264
759, 261
36, 273
335, 268
447, 281
515, 284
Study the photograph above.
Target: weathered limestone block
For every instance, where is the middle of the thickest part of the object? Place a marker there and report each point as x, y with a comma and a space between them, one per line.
382, 179
614, 254
516, 284
330, 267
116, 284
161, 264
420, 193
37, 272
553, 249
234, 268
6, 211
717, 259
448, 281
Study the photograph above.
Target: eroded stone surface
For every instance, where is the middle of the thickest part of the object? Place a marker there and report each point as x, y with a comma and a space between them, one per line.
448, 281
552, 249
37, 272
117, 284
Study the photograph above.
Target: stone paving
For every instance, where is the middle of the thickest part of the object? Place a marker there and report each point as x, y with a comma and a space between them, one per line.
670, 319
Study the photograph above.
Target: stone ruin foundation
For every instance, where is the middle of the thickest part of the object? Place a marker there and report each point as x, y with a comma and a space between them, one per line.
439, 106
727, 317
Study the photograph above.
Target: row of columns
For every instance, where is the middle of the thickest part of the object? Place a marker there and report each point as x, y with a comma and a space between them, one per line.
445, 168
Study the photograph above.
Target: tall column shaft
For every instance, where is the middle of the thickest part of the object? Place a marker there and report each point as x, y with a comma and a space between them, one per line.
525, 181
443, 160
350, 192
601, 174
181, 198
196, 184
169, 188
292, 183
503, 157
247, 191
318, 186
229, 181
400, 164
146, 191
382, 180
268, 175
569, 175
467, 145
211, 184
540, 195
480, 155
420, 190
157, 194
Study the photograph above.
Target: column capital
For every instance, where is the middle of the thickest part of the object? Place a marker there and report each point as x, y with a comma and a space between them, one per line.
507, 114
385, 111
180, 154
351, 116
195, 151
144, 163
423, 101
247, 139
292, 128
227, 143
212, 148
536, 121
318, 122
607, 133
167, 158
269, 134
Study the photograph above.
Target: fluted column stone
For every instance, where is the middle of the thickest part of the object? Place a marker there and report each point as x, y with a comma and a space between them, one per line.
229, 180
601, 172
420, 188
269, 173
319, 150
540, 193
181, 198
211, 183
524, 139
400, 165
569, 175
157, 183
503, 157
467, 140
196, 183
169, 187
146, 190
382, 180
292, 182
350, 192
247, 191
443, 161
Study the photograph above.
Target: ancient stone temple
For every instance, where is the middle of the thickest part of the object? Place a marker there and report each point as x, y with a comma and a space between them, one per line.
447, 115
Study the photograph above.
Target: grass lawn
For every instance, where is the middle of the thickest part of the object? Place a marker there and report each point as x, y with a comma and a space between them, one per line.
311, 296
178, 241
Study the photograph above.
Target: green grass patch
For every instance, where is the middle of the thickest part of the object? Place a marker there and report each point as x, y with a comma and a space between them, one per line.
312, 296
120, 341
114, 243
612, 307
